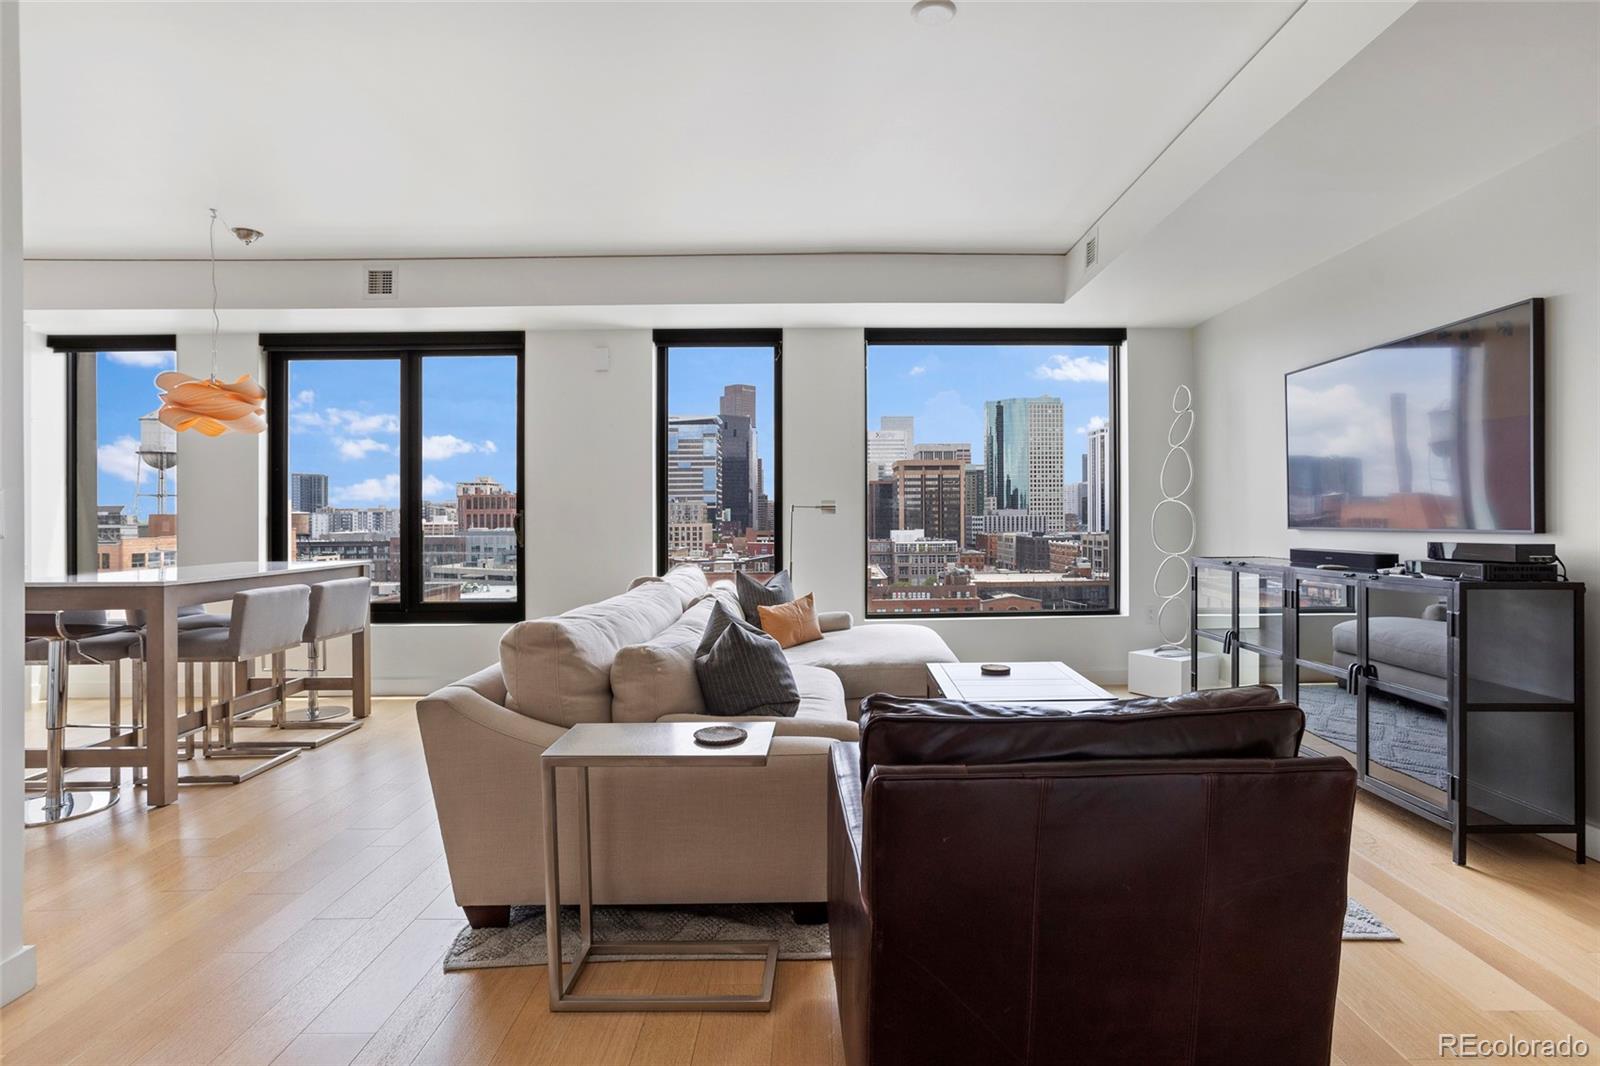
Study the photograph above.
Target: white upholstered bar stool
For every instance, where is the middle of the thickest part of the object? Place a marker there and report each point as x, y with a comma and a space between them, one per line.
338, 609
58, 640
263, 623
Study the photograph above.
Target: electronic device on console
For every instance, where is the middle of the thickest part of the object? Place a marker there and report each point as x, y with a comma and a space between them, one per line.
1467, 570
1481, 552
1327, 559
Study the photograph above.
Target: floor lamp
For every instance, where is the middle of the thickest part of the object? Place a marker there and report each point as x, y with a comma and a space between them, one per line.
826, 507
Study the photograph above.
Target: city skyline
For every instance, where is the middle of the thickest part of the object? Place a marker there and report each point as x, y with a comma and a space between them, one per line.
944, 387
697, 376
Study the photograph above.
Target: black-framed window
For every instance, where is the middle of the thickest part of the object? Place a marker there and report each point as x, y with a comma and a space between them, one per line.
719, 450
404, 450
992, 473
121, 462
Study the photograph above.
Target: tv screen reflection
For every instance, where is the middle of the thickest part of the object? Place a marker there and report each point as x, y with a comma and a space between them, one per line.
1435, 432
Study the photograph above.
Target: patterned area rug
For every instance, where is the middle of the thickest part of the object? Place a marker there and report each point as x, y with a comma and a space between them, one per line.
522, 943
1362, 924
1401, 735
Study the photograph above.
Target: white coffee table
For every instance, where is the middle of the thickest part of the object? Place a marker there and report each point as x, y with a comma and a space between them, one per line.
620, 744
1028, 682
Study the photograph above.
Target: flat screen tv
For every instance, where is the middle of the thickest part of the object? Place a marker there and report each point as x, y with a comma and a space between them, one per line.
1443, 431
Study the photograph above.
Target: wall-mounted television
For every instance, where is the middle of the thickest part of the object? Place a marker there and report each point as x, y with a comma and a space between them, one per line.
1442, 431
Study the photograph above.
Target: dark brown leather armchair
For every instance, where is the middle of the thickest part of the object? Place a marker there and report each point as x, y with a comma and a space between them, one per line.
1147, 882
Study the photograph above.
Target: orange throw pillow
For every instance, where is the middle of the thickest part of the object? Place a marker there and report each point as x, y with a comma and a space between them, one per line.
791, 623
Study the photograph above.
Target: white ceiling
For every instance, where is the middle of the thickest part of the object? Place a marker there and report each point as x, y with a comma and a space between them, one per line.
434, 129
1449, 96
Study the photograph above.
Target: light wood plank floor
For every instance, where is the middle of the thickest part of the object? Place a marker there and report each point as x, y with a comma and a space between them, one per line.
300, 918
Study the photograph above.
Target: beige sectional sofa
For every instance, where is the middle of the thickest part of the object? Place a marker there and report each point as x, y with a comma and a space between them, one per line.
661, 835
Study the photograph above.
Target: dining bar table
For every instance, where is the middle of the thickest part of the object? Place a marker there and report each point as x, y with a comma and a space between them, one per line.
159, 592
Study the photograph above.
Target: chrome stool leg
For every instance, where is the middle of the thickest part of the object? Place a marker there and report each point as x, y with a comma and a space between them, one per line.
315, 710
315, 714
61, 802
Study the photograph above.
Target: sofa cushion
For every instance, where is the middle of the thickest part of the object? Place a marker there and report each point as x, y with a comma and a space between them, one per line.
1239, 723
559, 669
752, 593
890, 657
721, 617
745, 673
656, 677
1420, 645
791, 624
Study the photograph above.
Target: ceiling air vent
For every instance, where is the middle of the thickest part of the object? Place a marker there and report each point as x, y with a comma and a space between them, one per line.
380, 283
1091, 251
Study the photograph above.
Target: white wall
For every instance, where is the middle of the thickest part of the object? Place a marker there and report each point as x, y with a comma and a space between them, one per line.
45, 374
222, 513
824, 421
17, 968
1531, 231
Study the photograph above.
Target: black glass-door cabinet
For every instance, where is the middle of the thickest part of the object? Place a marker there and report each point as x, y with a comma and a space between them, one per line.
1461, 701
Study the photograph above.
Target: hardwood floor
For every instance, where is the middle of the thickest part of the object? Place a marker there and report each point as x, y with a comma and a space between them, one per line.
300, 918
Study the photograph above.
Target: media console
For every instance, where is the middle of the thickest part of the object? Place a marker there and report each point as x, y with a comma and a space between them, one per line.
1462, 701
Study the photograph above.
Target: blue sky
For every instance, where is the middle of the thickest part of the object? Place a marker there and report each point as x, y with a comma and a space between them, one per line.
695, 379
125, 390
345, 413
344, 422
945, 386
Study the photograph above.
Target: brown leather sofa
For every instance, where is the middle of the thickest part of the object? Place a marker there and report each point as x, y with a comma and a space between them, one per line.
1148, 882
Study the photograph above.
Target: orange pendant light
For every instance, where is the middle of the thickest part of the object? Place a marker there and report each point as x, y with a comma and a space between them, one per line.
210, 405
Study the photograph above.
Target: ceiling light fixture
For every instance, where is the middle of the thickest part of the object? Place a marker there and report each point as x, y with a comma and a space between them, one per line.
210, 405
933, 12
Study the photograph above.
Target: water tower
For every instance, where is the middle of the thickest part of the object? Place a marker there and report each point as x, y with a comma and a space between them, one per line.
158, 449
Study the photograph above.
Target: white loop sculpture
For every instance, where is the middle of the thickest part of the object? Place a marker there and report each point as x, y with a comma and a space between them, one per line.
1172, 598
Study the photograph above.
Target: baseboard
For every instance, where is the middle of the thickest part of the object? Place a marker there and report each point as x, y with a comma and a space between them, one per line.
18, 974
1591, 840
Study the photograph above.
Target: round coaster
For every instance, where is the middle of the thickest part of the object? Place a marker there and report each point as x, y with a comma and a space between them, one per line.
994, 669
719, 736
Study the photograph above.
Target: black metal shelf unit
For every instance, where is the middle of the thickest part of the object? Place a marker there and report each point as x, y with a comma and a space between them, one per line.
1462, 701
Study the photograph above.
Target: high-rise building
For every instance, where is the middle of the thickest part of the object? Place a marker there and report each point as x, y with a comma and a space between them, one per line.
883, 508
483, 503
885, 447
1097, 517
308, 492
906, 424
738, 449
1078, 502
972, 498
930, 493
962, 452
739, 401
1022, 453
694, 462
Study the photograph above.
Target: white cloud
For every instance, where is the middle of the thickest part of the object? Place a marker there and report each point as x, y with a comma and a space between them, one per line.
1074, 368
146, 359
360, 447
445, 446
432, 486
489, 446
916, 371
357, 422
1095, 422
303, 398
384, 489
120, 458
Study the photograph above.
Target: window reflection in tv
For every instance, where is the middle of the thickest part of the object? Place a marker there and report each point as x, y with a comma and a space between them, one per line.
1435, 432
